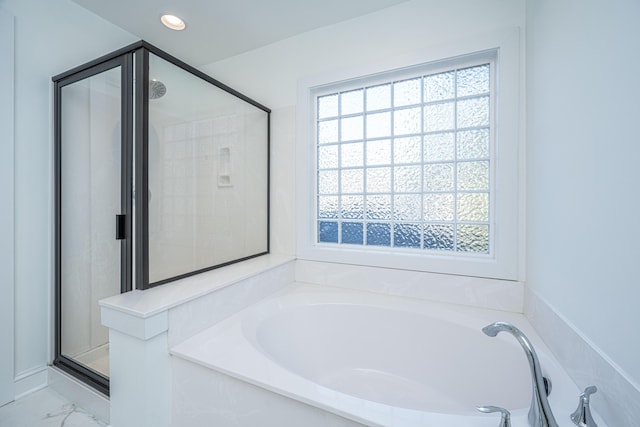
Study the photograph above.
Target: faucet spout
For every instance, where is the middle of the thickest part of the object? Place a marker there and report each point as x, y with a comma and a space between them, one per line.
540, 414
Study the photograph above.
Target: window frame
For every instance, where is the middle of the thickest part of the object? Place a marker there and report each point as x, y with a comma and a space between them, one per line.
501, 49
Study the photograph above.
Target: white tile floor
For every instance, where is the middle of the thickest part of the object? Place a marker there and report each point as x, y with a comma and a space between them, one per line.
45, 408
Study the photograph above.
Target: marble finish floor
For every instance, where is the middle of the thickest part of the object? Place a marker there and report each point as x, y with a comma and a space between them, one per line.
46, 408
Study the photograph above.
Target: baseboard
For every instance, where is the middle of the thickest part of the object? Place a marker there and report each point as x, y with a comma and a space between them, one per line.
30, 381
82, 395
618, 398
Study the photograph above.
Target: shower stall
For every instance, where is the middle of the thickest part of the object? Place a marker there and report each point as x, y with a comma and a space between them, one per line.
161, 172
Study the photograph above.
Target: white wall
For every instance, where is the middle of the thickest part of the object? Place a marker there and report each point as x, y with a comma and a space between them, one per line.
6, 211
582, 146
271, 74
583, 172
50, 37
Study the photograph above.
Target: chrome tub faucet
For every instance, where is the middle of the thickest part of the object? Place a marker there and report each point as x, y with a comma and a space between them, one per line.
540, 414
505, 416
582, 416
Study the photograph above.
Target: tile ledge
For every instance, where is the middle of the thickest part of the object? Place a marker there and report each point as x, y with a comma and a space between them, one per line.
145, 304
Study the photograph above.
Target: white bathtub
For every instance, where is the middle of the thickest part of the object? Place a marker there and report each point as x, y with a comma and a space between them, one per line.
374, 360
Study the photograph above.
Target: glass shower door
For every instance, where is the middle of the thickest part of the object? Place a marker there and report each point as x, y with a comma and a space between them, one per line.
90, 175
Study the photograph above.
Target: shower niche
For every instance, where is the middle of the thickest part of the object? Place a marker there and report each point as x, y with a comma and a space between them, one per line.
161, 172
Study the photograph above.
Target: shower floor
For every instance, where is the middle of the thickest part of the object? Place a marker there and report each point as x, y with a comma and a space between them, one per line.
96, 359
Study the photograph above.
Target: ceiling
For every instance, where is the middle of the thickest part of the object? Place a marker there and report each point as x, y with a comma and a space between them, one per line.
218, 29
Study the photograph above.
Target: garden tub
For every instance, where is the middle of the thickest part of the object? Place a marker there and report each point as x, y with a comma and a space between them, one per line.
377, 360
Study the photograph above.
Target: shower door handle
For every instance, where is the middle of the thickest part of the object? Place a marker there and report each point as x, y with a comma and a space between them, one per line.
121, 227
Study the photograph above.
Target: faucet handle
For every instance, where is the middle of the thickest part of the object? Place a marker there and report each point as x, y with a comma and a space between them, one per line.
505, 419
582, 415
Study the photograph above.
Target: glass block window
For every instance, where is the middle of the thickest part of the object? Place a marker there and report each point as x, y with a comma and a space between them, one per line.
407, 163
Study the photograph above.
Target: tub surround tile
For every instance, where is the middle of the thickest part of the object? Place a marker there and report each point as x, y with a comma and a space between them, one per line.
472, 291
140, 380
189, 319
617, 399
203, 397
283, 186
142, 328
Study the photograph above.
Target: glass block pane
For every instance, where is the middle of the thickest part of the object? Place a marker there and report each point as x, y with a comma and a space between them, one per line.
328, 157
439, 237
473, 176
439, 87
473, 112
407, 150
407, 179
417, 163
438, 177
473, 144
473, 238
327, 106
328, 131
327, 232
473, 207
379, 97
378, 152
406, 235
473, 81
328, 182
328, 207
407, 92
352, 102
378, 207
439, 147
407, 121
439, 207
352, 128
352, 233
352, 207
352, 181
378, 234
378, 125
352, 154
438, 117
407, 207
379, 180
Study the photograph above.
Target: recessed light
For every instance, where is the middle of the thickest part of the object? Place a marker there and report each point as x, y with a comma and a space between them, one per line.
173, 22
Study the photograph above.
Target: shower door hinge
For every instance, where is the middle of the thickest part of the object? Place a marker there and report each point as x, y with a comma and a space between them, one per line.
121, 227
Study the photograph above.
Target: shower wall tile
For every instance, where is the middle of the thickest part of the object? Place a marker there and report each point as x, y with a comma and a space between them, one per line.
472, 291
213, 167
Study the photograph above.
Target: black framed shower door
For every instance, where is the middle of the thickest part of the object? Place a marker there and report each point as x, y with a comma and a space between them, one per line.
102, 195
93, 170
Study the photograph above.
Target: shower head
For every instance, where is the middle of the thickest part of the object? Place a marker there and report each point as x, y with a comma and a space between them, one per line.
157, 89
